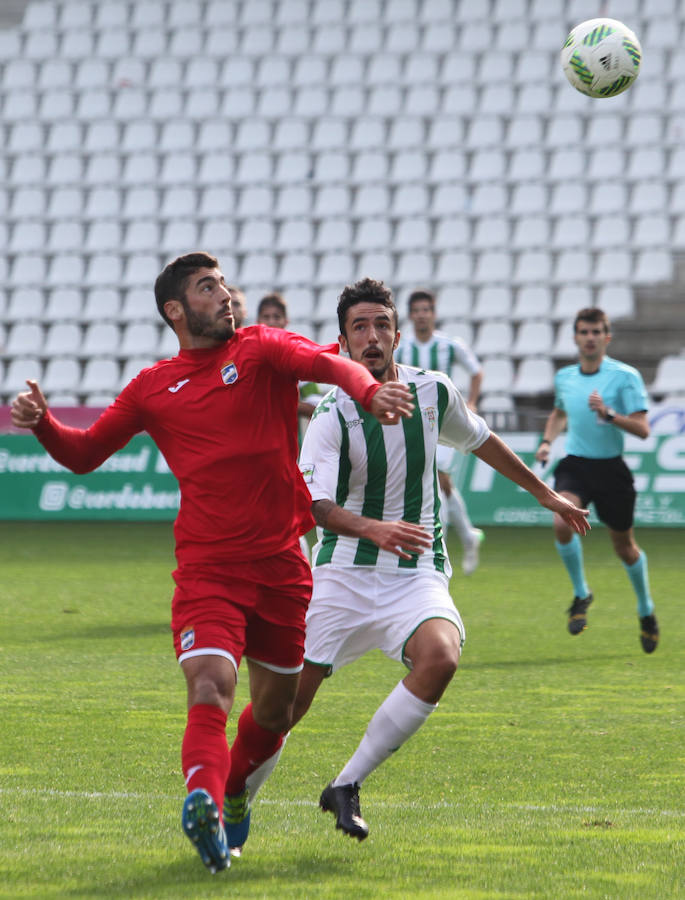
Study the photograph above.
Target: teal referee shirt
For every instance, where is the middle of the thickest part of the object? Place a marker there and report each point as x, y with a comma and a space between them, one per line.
620, 386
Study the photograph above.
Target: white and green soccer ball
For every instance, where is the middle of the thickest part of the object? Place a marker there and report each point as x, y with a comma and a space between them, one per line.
601, 57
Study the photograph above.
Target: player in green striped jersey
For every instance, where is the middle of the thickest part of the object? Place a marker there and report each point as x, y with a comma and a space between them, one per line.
431, 349
381, 569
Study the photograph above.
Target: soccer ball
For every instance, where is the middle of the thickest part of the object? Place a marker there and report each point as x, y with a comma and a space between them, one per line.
601, 57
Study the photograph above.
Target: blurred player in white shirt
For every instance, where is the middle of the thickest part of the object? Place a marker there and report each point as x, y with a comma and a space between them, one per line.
432, 350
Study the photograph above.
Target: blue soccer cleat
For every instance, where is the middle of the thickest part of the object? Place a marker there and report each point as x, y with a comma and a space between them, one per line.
237, 820
202, 824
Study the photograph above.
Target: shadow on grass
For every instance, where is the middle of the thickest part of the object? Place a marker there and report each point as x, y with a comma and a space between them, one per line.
536, 662
105, 632
187, 877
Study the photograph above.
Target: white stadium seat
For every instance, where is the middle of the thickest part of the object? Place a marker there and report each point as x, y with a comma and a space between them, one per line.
670, 376
534, 375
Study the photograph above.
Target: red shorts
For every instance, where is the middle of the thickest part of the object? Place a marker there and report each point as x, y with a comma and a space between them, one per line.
257, 610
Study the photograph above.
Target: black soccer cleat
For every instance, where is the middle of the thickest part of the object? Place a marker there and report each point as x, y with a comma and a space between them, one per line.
577, 618
649, 633
344, 802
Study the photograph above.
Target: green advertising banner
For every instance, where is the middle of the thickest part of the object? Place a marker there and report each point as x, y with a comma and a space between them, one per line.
136, 484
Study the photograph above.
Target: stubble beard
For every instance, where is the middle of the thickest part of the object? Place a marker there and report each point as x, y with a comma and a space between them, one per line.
379, 368
200, 325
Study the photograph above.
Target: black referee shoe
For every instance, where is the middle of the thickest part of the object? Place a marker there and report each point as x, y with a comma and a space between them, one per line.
649, 633
577, 619
344, 802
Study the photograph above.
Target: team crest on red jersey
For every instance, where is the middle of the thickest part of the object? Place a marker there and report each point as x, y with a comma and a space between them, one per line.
229, 373
187, 639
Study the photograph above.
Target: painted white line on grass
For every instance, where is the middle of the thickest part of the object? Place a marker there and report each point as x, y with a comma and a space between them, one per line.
382, 804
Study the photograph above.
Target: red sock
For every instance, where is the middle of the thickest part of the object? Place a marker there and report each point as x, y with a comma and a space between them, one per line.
205, 756
252, 746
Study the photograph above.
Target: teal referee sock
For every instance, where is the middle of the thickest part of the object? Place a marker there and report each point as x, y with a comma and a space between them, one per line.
572, 557
639, 578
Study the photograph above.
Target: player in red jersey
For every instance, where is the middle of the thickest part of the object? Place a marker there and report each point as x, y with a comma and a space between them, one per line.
224, 414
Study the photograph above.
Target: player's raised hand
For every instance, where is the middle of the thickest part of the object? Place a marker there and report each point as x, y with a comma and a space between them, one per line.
542, 453
595, 401
574, 517
391, 402
398, 537
28, 407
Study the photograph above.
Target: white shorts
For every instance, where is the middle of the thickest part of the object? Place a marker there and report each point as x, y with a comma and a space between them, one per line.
357, 609
443, 457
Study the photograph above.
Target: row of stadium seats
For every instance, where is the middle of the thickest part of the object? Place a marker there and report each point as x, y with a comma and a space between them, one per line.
554, 233
341, 34
104, 376
325, 201
368, 70
145, 337
68, 14
108, 374
95, 87
396, 167
338, 268
98, 379
533, 301
310, 102
556, 134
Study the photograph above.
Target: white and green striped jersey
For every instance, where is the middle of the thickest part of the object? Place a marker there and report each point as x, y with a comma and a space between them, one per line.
441, 353
386, 471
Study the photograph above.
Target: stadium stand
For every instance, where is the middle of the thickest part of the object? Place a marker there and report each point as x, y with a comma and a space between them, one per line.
311, 142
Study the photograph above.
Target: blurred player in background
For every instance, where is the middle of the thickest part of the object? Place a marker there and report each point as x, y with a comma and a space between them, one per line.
238, 305
223, 413
430, 349
272, 310
597, 400
381, 570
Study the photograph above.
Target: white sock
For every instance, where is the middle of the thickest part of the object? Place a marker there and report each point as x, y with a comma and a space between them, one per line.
399, 716
254, 781
459, 517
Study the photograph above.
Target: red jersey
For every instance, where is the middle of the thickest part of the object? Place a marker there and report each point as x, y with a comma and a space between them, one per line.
225, 420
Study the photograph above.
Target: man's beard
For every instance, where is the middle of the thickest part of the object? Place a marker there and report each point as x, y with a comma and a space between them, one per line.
200, 325
379, 367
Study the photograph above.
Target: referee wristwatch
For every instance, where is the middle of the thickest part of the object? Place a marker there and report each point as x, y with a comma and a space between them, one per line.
610, 414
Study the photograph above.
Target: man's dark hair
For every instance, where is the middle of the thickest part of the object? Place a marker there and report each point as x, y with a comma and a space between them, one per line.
273, 299
420, 294
595, 315
365, 291
172, 281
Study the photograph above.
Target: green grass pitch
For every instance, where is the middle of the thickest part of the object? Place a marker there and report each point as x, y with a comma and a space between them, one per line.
553, 767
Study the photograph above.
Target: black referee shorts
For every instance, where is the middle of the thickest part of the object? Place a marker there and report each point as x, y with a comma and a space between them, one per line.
608, 483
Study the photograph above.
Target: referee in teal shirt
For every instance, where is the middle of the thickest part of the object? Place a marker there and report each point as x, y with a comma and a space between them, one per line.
597, 400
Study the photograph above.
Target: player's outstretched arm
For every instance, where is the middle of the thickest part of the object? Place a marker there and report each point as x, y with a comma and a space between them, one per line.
28, 407
398, 537
495, 453
78, 449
